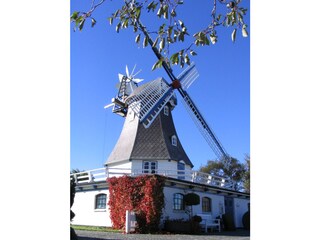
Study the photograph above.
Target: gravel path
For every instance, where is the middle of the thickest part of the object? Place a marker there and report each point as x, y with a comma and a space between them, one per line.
92, 235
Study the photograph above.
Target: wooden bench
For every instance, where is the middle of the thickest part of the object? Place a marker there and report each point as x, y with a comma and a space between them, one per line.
209, 222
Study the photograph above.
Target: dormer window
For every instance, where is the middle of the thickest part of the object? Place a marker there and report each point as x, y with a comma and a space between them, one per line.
166, 110
174, 140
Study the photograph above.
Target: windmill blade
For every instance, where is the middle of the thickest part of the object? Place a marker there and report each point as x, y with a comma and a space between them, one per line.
127, 71
149, 99
188, 76
203, 127
137, 80
133, 70
109, 105
120, 76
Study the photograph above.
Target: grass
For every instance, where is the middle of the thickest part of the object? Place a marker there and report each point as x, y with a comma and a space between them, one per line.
94, 228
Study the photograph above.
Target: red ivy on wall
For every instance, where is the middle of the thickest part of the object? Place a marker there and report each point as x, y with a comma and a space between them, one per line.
141, 194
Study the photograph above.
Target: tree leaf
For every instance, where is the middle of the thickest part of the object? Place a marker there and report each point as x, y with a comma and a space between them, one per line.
244, 31
93, 22
74, 16
233, 35
187, 59
158, 64
155, 42
137, 40
162, 44
175, 58
193, 53
145, 42
110, 19
81, 24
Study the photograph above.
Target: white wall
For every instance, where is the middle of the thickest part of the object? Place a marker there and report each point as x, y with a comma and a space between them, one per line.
240, 208
217, 203
84, 208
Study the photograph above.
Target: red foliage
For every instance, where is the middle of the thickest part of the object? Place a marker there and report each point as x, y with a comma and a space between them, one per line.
141, 194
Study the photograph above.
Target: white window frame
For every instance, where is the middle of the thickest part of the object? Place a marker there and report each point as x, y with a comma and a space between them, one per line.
96, 203
174, 140
150, 169
166, 110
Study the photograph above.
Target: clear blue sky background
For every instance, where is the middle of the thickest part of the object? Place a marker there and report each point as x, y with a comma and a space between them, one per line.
222, 92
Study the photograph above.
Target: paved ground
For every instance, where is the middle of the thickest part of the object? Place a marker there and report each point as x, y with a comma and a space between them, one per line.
91, 235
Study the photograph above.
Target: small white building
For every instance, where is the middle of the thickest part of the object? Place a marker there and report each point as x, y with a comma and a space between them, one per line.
153, 150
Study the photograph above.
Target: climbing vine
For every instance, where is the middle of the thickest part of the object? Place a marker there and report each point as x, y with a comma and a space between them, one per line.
141, 194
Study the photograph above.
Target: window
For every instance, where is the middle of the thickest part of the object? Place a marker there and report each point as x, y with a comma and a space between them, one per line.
181, 167
150, 167
166, 110
174, 140
101, 200
178, 203
206, 204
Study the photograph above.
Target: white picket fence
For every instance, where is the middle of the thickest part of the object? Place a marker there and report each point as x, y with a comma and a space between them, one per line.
101, 174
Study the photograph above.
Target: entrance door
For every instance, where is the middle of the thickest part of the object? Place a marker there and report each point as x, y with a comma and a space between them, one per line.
229, 211
228, 205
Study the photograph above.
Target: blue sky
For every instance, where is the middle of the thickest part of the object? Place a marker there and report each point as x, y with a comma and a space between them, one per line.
222, 91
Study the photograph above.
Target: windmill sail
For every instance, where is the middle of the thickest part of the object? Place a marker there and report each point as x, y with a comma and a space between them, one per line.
203, 127
188, 76
185, 80
149, 99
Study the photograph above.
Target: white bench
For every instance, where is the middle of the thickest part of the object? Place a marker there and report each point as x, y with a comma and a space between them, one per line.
209, 222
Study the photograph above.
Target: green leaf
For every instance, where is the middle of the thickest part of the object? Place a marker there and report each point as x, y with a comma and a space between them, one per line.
74, 16
165, 11
118, 27
150, 6
137, 40
233, 35
244, 31
213, 38
93, 22
173, 13
155, 42
175, 58
138, 12
145, 42
110, 19
162, 44
187, 59
158, 64
193, 53
160, 12
81, 24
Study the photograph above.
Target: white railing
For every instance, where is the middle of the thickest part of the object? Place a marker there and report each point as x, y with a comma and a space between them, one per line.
101, 174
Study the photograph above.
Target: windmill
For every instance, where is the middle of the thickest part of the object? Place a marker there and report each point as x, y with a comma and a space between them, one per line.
127, 83
148, 100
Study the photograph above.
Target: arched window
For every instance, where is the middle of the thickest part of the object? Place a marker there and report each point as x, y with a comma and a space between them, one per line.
101, 201
206, 204
178, 203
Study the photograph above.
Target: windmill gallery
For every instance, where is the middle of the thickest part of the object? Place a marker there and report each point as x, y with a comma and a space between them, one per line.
149, 146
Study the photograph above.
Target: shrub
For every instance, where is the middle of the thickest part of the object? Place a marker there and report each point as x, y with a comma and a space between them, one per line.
196, 218
246, 220
73, 235
143, 195
228, 222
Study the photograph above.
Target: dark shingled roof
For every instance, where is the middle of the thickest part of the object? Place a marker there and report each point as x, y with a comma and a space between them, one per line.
154, 143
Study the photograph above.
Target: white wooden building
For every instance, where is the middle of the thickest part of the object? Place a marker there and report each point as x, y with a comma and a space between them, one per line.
154, 150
